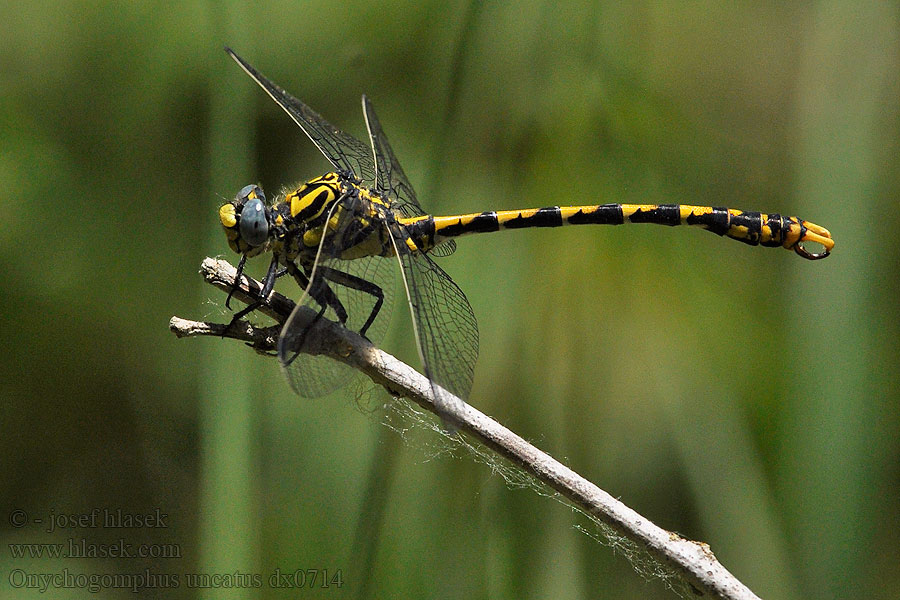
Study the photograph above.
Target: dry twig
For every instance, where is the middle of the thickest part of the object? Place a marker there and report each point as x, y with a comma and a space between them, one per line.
693, 561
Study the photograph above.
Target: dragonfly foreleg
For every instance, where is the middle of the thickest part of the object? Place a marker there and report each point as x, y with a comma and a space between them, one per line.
237, 281
268, 283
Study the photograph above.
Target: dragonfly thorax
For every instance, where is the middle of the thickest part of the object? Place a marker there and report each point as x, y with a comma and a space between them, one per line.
293, 227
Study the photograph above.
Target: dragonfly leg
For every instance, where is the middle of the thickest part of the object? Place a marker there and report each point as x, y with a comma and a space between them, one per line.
268, 283
357, 283
237, 281
302, 339
324, 297
320, 291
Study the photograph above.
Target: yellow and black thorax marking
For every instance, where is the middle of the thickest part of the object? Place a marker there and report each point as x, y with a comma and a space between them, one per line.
298, 221
319, 208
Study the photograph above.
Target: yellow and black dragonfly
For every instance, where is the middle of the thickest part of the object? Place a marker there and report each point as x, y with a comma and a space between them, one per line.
342, 237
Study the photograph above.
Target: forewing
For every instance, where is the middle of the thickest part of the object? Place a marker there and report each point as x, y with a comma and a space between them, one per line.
390, 180
343, 151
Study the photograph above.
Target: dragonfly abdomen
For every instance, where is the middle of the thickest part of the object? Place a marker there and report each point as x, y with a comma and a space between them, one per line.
752, 228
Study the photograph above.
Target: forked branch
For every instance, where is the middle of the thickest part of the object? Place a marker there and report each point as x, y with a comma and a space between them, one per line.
693, 561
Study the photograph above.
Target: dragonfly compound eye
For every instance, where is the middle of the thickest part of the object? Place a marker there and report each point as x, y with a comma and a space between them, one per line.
250, 192
254, 226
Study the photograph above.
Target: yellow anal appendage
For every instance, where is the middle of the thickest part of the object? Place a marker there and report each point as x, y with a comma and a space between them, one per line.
819, 234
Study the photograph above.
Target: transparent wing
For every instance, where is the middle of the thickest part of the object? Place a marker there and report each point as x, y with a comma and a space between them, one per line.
446, 329
444, 248
312, 376
445, 326
390, 180
343, 151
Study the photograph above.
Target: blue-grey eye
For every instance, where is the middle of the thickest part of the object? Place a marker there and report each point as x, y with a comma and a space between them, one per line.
254, 226
249, 192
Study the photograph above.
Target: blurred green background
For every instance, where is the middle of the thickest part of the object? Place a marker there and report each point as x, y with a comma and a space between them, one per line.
740, 396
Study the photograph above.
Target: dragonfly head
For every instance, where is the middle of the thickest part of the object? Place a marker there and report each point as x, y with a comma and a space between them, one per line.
246, 221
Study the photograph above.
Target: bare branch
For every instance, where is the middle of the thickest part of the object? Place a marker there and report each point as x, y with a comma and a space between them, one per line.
693, 561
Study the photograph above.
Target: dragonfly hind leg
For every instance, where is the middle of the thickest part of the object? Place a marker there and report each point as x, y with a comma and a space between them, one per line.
296, 346
325, 297
321, 292
357, 283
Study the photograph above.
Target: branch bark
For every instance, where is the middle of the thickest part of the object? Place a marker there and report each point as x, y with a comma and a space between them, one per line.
693, 561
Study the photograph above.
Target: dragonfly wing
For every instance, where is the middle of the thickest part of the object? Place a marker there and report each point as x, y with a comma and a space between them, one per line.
343, 151
312, 376
444, 248
390, 180
445, 326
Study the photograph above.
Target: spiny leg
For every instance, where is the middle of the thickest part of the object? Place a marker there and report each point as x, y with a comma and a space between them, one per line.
302, 337
324, 297
237, 281
357, 283
268, 283
320, 291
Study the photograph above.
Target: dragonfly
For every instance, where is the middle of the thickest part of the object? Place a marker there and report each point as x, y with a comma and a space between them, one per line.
344, 236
